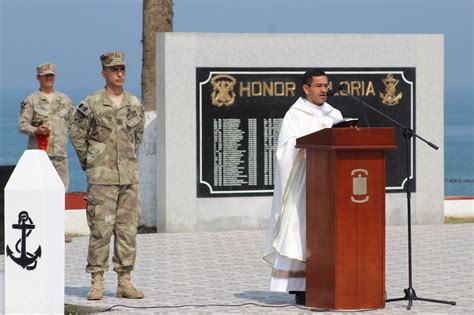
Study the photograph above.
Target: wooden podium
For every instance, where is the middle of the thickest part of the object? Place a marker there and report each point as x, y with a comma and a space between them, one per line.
345, 217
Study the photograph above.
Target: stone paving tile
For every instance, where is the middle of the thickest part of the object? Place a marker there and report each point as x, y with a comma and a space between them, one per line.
226, 268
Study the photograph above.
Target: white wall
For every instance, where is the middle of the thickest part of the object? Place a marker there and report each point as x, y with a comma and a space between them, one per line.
178, 55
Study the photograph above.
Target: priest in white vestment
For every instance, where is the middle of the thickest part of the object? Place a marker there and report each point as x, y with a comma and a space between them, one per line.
285, 248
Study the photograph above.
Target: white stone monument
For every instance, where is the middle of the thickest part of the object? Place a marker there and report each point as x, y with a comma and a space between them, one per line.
178, 55
34, 237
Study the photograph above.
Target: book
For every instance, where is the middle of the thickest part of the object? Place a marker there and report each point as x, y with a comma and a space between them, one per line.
345, 122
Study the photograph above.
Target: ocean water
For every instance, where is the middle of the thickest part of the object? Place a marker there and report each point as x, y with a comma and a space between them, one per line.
458, 144
459, 150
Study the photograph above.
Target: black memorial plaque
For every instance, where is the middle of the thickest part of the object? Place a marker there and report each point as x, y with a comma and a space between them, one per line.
240, 111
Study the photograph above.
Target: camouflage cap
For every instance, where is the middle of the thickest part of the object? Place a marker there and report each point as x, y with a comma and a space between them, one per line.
46, 68
112, 58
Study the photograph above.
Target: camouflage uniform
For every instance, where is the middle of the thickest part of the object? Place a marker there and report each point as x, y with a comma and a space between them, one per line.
57, 115
106, 138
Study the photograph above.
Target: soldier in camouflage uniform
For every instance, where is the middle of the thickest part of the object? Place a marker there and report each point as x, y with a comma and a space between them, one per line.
107, 129
47, 111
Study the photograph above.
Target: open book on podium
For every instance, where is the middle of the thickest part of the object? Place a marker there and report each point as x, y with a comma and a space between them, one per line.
345, 122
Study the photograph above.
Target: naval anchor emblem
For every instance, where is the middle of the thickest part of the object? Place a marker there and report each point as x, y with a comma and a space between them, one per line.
26, 260
223, 90
390, 97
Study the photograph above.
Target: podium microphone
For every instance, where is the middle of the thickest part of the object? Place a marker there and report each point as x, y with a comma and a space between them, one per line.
341, 87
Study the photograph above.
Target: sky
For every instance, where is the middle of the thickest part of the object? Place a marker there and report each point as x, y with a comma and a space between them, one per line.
74, 33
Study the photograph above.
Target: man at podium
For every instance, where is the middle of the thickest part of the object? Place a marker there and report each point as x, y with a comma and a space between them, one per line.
285, 247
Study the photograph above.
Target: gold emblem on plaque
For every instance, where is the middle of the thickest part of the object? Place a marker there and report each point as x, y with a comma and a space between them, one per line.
390, 97
223, 90
359, 185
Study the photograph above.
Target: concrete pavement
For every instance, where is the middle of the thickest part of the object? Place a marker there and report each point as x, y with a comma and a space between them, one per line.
225, 269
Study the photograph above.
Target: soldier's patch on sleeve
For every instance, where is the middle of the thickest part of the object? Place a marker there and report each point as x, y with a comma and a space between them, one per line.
79, 116
131, 114
22, 107
82, 111
84, 108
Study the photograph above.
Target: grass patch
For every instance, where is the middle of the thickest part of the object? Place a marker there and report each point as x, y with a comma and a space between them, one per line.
142, 229
458, 220
72, 309
76, 234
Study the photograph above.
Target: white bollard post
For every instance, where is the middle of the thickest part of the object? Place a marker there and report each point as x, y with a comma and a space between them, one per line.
34, 237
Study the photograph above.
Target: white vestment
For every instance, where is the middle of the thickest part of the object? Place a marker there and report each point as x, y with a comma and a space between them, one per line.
285, 248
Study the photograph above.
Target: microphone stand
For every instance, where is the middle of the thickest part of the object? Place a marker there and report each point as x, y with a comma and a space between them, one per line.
408, 133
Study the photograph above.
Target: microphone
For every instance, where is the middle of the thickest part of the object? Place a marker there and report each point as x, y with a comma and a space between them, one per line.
341, 87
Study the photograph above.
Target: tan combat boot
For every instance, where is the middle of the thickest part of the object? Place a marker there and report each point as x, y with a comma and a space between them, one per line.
125, 287
97, 290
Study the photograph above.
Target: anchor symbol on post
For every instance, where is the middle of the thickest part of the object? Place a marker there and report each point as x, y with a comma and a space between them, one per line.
26, 259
